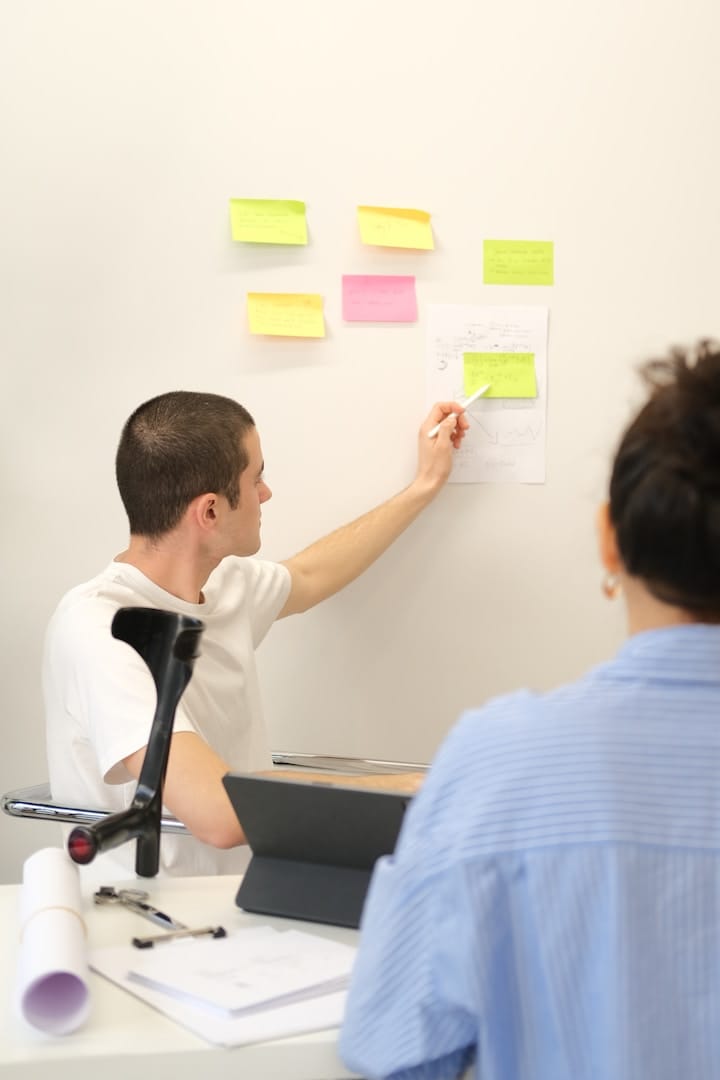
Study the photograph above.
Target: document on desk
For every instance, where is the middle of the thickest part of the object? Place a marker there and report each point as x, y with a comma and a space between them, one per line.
253, 985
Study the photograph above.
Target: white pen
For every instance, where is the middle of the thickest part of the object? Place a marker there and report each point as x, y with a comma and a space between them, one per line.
473, 397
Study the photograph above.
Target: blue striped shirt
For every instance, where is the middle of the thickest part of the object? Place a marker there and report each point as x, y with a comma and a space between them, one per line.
552, 910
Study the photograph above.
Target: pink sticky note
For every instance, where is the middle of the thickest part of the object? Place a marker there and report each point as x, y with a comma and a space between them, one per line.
379, 298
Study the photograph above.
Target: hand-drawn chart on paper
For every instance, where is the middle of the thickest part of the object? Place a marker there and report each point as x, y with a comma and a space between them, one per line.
506, 438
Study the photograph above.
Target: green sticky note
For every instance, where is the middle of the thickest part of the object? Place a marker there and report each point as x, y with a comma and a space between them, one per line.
518, 262
268, 221
510, 374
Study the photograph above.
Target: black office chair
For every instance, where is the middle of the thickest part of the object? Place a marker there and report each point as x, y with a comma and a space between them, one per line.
168, 643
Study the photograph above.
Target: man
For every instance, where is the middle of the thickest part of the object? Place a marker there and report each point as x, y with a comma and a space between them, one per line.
190, 472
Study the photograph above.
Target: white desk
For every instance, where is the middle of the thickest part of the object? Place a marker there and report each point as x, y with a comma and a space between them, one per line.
124, 1036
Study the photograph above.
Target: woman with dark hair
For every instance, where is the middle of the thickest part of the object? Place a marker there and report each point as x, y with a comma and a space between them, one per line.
552, 910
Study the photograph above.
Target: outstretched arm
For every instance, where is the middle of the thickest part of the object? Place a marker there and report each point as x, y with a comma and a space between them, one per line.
333, 562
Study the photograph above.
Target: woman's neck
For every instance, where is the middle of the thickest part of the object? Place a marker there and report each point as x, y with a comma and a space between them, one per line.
647, 612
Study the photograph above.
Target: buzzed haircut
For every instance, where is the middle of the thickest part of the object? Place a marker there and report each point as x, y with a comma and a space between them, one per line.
175, 447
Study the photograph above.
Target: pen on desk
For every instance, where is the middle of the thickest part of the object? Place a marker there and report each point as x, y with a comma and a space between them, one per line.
158, 917
473, 397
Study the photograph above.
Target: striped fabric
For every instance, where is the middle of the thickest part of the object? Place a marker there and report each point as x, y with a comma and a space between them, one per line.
552, 911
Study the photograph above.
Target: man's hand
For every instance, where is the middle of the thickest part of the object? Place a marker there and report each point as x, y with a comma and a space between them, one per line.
435, 454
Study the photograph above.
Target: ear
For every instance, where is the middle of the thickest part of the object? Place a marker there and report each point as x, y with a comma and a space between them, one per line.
607, 540
204, 511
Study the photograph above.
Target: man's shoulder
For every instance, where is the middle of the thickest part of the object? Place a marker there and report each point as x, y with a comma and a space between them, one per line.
93, 602
249, 567
247, 576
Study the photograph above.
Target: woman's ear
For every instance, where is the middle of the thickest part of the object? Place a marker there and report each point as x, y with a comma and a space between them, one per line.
607, 540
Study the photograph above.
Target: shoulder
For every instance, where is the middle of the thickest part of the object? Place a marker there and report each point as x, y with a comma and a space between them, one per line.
493, 728
90, 604
255, 578
524, 717
81, 623
111, 588
522, 730
250, 590
502, 766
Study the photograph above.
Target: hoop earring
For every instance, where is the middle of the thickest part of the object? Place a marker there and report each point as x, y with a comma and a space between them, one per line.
611, 586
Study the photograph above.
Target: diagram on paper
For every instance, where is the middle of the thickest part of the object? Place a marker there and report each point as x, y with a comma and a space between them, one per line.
506, 438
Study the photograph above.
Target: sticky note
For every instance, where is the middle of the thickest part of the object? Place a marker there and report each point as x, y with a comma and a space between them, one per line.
379, 298
511, 375
518, 262
286, 314
268, 221
395, 227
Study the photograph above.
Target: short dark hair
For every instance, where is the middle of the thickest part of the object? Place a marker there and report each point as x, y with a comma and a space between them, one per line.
665, 483
175, 447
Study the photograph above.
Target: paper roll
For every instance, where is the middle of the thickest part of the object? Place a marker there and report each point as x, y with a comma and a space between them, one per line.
52, 990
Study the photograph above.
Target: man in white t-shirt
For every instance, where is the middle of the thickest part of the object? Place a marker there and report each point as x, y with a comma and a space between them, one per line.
189, 468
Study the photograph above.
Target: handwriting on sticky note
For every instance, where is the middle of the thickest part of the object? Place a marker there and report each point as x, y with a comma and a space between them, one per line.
268, 221
286, 314
379, 298
518, 262
386, 226
511, 375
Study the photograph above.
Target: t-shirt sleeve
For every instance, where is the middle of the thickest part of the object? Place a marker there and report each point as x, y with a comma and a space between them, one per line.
268, 587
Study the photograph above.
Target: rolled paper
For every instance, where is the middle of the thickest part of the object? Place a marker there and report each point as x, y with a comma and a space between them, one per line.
52, 979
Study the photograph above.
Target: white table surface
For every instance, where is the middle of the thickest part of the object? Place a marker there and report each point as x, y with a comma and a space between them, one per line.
124, 1036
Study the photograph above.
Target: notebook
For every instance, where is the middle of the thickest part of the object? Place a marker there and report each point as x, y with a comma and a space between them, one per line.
314, 845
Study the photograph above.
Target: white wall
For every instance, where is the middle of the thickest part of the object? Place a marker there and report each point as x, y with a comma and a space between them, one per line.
126, 127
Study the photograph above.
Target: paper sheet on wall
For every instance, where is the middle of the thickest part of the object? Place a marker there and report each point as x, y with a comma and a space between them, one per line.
506, 439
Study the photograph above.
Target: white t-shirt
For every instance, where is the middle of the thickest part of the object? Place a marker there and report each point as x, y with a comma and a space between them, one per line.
100, 696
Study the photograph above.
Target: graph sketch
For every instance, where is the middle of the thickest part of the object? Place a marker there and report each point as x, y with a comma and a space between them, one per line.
506, 439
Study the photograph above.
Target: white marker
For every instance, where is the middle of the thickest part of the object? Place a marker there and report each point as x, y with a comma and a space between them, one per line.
473, 397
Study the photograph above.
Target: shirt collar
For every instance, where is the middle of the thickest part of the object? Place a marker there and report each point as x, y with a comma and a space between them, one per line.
690, 653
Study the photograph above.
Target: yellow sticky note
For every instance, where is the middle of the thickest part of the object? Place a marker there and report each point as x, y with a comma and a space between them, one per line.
518, 262
286, 314
511, 375
268, 221
388, 227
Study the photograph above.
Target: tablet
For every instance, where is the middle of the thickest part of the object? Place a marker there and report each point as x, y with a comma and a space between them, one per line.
314, 845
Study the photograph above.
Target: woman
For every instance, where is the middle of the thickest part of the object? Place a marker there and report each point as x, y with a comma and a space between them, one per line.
553, 907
